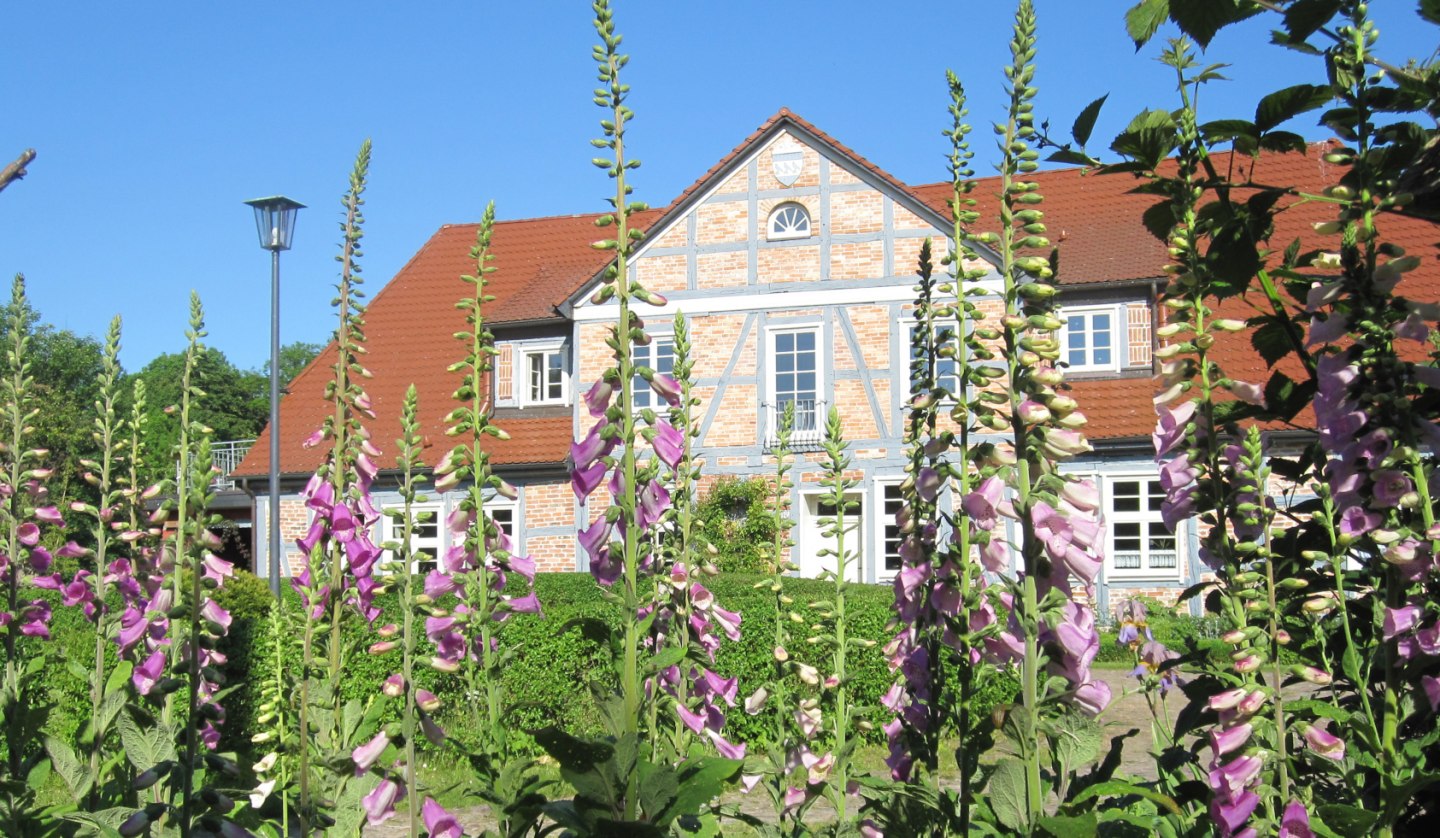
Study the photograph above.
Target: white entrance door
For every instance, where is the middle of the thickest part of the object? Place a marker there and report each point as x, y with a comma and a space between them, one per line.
813, 541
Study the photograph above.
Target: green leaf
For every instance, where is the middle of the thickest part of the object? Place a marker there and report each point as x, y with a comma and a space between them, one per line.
658, 788
1144, 18
1347, 820
1076, 740
1282, 105
1006, 792
62, 756
1270, 338
1284, 397
1220, 130
1429, 10
102, 824
1201, 19
1124, 788
147, 747
700, 780
1085, 122
1304, 18
667, 658
1070, 826
118, 677
1148, 139
1159, 219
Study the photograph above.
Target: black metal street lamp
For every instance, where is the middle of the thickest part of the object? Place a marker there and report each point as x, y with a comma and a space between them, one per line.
275, 222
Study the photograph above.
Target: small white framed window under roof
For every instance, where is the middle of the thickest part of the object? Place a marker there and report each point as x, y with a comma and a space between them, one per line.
788, 221
1090, 338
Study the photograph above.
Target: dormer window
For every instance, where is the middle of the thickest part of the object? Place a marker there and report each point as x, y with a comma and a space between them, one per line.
1088, 340
789, 221
532, 373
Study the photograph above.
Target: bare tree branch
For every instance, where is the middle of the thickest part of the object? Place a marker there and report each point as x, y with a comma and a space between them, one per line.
16, 170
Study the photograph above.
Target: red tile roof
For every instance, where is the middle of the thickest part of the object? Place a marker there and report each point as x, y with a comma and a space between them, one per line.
541, 262
410, 326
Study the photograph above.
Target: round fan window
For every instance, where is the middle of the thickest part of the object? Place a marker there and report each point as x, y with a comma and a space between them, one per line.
789, 221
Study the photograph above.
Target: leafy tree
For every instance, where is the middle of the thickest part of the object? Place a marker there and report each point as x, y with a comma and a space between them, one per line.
294, 357
235, 405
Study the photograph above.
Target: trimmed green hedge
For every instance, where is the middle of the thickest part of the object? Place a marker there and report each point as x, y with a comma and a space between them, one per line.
557, 662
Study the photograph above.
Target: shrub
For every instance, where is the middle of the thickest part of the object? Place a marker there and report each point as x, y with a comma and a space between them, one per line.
733, 518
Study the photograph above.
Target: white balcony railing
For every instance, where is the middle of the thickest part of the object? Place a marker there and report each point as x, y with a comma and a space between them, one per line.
808, 431
226, 456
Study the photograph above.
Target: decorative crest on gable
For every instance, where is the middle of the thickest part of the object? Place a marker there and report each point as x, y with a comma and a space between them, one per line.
787, 161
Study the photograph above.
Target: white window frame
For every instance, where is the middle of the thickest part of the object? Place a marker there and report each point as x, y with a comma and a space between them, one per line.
393, 530
521, 386
882, 520
1144, 517
772, 393
790, 232
908, 350
639, 387
1119, 337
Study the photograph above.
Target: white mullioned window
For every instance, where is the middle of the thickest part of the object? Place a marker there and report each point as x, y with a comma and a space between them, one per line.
788, 221
1090, 338
947, 371
659, 356
425, 535
890, 536
1140, 543
795, 377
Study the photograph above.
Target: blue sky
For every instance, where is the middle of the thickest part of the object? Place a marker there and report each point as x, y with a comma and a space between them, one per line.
154, 121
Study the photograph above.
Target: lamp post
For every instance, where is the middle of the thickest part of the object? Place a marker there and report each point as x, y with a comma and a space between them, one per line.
275, 222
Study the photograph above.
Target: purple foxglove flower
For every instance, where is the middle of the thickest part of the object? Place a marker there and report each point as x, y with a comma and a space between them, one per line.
29, 534
1032, 412
669, 444
427, 701
1431, 685
217, 568
394, 686
35, 619
523, 565
439, 584
794, 797
147, 674
1247, 392
748, 782
49, 515
365, 755
945, 599
1401, 620
40, 560
724, 687
1178, 507
342, 523
1390, 486
1356, 521
592, 447
528, 604
982, 503
1324, 743
1231, 779
597, 398
756, 701
694, 721
585, 480
1225, 740
78, 590
927, 484
379, 805
1326, 329
724, 747
1232, 812
1295, 822
808, 717
1228, 699
322, 498
1081, 494
654, 501
870, 829
605, 568
438, 822
212, 611
1078, 563
1177, 472
817, 768
995, 555
1092, 697
1170, 430
667, 388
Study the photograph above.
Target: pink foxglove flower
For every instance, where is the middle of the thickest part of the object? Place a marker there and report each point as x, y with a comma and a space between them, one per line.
379, 804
